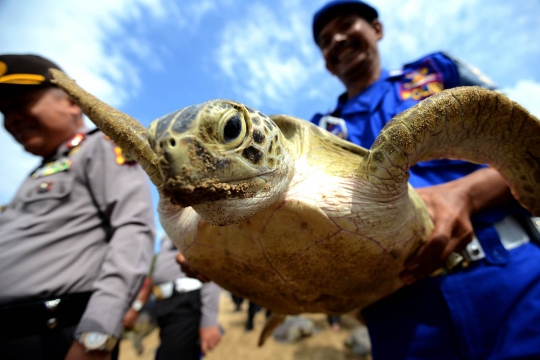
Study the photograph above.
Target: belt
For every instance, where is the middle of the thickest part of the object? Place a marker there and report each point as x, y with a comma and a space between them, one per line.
178, 286
532, 225
33, 317
511, 234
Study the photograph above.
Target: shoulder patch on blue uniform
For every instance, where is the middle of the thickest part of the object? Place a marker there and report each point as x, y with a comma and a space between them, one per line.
420, 82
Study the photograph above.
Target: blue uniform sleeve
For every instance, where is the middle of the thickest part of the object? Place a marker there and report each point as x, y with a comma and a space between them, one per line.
316, 118
440, 64
469, 75
454, 71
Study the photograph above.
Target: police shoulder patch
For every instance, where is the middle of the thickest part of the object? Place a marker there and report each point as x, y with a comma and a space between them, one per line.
122, 158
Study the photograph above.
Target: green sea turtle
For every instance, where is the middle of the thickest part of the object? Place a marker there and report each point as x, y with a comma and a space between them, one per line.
279, 211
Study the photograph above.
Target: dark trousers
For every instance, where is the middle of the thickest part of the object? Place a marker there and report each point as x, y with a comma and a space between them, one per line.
26, 336
49, 346
178, 318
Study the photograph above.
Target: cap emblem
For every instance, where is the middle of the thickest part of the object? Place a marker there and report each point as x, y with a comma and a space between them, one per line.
3, 68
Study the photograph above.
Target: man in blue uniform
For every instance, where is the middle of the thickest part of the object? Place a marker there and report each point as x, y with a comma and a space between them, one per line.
489, 309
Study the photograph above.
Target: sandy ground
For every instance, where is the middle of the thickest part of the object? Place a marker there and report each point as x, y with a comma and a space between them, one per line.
237, 344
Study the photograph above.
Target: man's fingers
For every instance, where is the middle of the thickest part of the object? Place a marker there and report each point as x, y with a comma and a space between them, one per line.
204, 347
433, 248
210, 338
431, 258
189, 270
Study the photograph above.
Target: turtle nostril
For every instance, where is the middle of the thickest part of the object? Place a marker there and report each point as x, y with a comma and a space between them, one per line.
167, 143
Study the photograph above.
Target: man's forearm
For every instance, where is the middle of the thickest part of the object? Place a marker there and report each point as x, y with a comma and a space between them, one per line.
484, 188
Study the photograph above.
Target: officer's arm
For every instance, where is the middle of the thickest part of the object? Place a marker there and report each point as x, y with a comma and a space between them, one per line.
209, 331
122, 193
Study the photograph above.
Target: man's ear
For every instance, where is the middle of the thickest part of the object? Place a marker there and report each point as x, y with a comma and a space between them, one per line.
378, 26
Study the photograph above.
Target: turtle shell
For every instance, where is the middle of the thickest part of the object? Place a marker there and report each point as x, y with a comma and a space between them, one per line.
321, 242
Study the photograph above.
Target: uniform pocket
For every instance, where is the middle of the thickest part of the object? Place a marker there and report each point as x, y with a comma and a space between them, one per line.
43, 195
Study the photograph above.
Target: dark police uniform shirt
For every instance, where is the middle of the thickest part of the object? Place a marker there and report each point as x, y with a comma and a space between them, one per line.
167, 269
82, 221
467, 307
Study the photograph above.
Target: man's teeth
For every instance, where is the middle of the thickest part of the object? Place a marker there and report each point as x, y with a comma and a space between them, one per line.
343, 54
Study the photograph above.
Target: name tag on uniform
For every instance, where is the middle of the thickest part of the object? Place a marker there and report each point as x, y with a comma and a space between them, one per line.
54, 167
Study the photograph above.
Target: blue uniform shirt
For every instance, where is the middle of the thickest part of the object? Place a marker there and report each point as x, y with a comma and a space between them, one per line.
361, 118
446, 317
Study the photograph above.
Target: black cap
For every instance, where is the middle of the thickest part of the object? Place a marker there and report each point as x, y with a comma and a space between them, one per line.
19, 73
340, 7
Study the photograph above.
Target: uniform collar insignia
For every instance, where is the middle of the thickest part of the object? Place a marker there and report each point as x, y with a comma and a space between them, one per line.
76, 140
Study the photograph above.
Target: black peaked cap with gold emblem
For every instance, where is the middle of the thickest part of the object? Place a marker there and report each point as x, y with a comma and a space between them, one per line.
19, 72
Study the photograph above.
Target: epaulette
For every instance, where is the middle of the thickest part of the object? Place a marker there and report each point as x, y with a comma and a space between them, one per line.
470, 75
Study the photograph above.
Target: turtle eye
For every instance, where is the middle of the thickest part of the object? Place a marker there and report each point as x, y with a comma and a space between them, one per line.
232, 128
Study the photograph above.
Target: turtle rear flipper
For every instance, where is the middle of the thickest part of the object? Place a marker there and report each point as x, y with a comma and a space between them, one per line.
271, 324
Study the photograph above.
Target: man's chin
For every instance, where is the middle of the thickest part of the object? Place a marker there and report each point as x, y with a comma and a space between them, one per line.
353, 75
34, 148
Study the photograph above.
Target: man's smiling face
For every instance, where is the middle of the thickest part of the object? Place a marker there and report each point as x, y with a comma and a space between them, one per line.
349, 46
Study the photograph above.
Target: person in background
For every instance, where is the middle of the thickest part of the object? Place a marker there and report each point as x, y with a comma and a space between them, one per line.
186, 309
489, 306
76, 241
253, 309
335, 322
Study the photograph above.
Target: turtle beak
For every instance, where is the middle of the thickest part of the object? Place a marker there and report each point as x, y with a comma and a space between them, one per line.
185, 157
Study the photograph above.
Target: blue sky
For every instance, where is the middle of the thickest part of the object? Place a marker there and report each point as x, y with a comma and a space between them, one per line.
151, 57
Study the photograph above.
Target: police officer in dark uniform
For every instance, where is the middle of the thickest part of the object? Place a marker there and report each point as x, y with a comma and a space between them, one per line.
77, 239
488, 307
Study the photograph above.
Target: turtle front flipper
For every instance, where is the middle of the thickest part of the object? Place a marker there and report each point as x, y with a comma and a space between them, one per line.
125, 131
468, 123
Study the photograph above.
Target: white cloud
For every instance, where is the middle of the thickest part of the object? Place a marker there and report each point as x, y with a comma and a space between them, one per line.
199, 9
527, 94
498, 37
269, 55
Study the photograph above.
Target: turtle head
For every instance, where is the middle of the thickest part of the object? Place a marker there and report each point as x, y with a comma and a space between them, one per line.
220, 152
